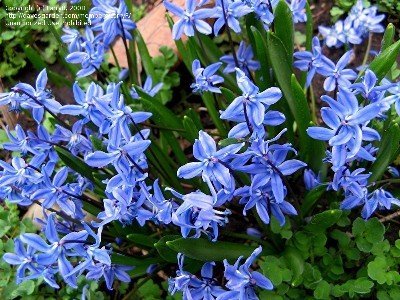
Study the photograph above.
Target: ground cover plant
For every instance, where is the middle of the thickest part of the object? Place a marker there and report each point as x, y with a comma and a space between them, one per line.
271, 193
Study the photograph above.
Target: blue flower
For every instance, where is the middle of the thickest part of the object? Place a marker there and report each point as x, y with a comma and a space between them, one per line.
109, 272
260, 195
90, 58
244, 56
194, 287
213, 165
394, 97
40, 97
197, 213
242, 281
378, 199
228, 13
24, 258
369, 89
263, 10
311, 180
205, 78
298, 10
190, 19
347, 122
114, 21
148, 88
252, 105
337, 75
312, 62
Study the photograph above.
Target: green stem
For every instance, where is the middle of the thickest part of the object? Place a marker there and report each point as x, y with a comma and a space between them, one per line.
115, 59
367, 52
313, 105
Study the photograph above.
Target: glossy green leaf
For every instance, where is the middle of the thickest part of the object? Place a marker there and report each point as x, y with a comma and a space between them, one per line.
228, 94
165, 251
309, 27
311, 198
210, 104
388, 149
142, 239
145, 57
190, 128
264, 79
295, 262
388, 36
75, 163
382, 64
204, 250
324, 220
311, 151
284, 29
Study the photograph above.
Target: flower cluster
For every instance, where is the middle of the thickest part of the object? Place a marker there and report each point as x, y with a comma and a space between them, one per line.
241, 281
352, 30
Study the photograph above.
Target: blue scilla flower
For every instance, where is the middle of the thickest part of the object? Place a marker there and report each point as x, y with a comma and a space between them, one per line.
312, 62
126, 204
163, 208
337, 75
340, 34
378, 199
109, 272
19, 141
213, 165
260, 196
229, 12
311, 180
40, 97
90, 58
117, 116
354, 182
193, 287
267, 162
147, 88
298, 10
18, 172
56, 191
263, 10
123, 157
394, 90
367, 20
76, 40
369, 89
242, 281
252, 104
205, 78
85, 104
346, 119
77, 142
197, 213
190, 19
25, 259
111, 20
244, 56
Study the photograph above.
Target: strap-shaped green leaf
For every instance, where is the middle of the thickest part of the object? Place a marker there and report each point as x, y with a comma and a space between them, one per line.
75, 163
382, 64
142, 239
388, 36
312, 151
311, 199
204, 250
264, 79
147, 62
388, 148
284, 28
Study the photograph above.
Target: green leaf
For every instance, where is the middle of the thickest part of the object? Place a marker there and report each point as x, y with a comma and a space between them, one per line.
228, 94
383, 62
388, 149
295, 262
145, 56
388, 37
190, 128
75, 163
311, 151
209, 102
165, 251
204, 250
142, 239
323, 290
311, 199
284, 29
324, 220
377, 269
263, 77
